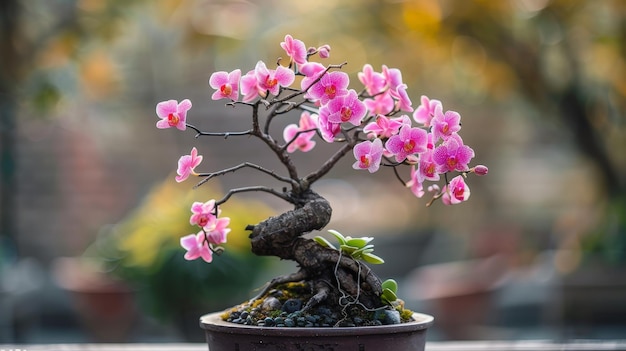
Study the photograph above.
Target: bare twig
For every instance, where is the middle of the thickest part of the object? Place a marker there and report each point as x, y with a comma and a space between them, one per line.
329, 164
248, 189
297, 135
209, 176
200, 133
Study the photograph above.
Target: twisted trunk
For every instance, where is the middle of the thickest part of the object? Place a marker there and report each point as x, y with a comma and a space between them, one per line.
338, 280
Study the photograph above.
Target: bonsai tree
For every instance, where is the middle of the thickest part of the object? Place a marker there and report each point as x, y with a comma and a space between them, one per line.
372, 125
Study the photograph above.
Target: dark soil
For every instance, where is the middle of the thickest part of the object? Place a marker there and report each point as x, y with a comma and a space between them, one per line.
283, 307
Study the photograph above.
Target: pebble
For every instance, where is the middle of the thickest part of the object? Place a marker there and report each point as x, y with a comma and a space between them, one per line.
271, 303
391, 317
292, 305
291, 315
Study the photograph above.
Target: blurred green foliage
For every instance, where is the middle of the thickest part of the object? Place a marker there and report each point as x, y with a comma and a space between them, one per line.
144, 250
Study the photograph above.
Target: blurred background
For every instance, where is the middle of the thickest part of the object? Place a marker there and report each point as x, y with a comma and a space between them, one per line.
90, 214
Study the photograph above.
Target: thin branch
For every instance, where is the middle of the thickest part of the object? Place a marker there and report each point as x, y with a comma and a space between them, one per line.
329, 164
232, 192
270, 116
283, 157
395, 171
297, 135
240, 166
222, 134
256, 130
290, 106
434, 198
303, 91
308, 108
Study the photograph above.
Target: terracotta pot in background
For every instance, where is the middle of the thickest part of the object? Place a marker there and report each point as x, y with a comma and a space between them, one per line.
105, 306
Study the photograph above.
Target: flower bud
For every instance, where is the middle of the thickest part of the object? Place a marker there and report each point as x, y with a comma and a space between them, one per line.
481, 170
324, 51
433, 188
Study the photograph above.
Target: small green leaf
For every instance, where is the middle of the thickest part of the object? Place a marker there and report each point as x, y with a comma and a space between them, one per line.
359, 242
388, 296
373, 259
340, 238
348, 249
364, 250
390, 284
322, 241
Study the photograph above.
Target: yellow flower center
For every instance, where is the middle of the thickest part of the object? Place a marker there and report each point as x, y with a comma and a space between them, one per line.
452, 162
271, 82
226, 89
330, 91
365, 161
430, 170
173, 119
346, 113
409, 146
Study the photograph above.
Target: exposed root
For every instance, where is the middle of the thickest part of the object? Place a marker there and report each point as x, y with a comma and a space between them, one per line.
338, 280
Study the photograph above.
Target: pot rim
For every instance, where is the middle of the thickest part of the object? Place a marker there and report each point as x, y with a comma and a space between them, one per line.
213, 322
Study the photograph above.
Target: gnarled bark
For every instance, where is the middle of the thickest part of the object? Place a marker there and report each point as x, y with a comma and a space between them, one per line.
338, 279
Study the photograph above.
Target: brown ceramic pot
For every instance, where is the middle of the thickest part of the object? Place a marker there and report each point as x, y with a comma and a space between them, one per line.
226, 336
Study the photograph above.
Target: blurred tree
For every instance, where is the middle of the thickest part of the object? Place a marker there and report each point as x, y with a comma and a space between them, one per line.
568, 60
8, 76
555, 50
37, 39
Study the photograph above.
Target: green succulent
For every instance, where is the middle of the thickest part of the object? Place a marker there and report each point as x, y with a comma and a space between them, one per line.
358, 248
390, 290
361, 249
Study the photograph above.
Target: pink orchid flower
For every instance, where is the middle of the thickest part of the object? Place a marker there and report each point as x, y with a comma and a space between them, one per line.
381, 104
408, 141
303, 140
368, 155
311, 71
217, 230
327, 129
331, 85
456, 192
393, 77
172, 114
373, 82
384, 127
249, 87
226, 85
427, 167
403, 101
430, 145
203, 213
197, 247
426, 111
416, 185
295, 49
445, 125
452, 155
186, 165
271, 80
345, 108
